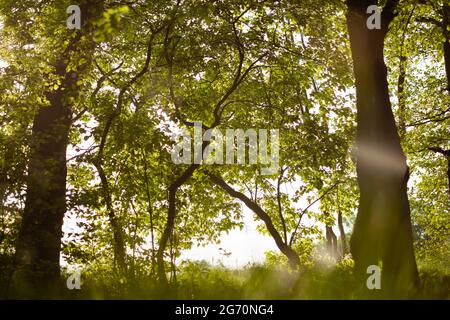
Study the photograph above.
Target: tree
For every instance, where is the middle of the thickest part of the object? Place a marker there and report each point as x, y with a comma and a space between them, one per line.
382, 230
38, 245
422, 108
444, 26
106, 103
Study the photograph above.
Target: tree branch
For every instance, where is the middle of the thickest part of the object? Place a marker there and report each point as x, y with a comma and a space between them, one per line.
284, 247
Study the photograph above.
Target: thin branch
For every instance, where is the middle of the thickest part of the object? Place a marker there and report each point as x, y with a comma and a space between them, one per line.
307, 208
124, 89
280, 209
432, 118
98, 86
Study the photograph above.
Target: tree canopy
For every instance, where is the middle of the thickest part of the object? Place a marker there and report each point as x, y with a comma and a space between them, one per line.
90, 118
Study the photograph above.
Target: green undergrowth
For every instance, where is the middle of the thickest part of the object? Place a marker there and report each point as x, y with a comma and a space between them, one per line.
200, 280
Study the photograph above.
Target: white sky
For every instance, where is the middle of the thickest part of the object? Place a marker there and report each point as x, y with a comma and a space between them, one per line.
245, 246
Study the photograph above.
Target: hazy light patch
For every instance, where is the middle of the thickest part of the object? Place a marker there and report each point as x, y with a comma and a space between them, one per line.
381, 158
237, 248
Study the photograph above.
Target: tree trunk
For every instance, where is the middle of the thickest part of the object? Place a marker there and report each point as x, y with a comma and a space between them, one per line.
342, 235
401, 96
331, 242
119, 244
39, 241
382, 230
172, 210
170, 224
36, 273
446, 44
446, 32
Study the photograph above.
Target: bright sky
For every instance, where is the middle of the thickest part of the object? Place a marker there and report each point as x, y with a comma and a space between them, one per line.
244, 246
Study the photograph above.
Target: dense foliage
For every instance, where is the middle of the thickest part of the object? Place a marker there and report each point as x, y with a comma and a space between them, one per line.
146, 70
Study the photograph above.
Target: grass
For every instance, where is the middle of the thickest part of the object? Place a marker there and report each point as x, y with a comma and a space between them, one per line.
200, 280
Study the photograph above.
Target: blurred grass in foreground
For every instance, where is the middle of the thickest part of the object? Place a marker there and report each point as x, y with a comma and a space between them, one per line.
200, 280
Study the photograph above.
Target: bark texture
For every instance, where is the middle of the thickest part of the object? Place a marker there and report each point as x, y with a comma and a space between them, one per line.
382, 230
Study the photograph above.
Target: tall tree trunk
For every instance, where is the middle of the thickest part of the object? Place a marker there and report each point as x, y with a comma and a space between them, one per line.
446, 32
446, 27
382, 230
36, 273
39, 241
